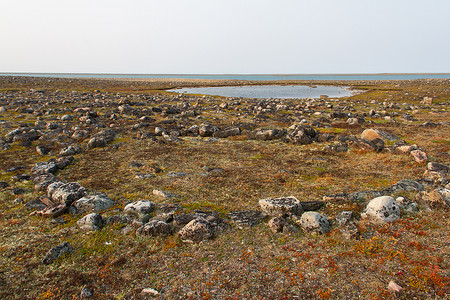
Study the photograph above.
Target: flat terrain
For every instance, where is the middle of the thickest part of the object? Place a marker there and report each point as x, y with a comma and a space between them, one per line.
195, 155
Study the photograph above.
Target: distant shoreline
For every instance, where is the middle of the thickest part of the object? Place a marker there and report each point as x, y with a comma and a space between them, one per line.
219, 74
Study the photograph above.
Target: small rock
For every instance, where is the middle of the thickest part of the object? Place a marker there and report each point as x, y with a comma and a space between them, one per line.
280, 206
139, 209
42, 150
315, 222
94, 203
163, 194
196, 230
56, 252
393, 287
86, 293
68, 193
277, 224
90, 222
383, 209
149, 291
155, 228
419, 156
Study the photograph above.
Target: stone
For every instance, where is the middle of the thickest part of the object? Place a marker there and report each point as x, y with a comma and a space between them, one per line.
371, 134
301, 134
269, 134
155, 228
52, 211
139, 210
438, 167
117, 219
149, 292
419, 156
93, 203
51, 188
437, 198
56, 252
44, 167
382, 209
196, 231
86, 293
90, 222
42, 150
344, 217
205, 130
68, 193
163, 194
277, 224
406, 205
312, 205
70, 150
404, 185
393, 287
280, 206
406, 148
63, 162
227, 132
314, 222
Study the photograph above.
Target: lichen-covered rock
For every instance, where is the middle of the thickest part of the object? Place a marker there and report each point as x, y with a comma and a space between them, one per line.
269, 134
372, 134
419, 156
44, 167
438, 198
90, 222
196, 231
51, 188
94, 203
246, 218
280, 206
382, 209
315, 222
155, 228
56, 252
404, 185
277, 224
301, 134
68, 193
139, 210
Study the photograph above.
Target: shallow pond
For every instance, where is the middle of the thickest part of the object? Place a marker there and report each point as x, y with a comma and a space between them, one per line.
270, 91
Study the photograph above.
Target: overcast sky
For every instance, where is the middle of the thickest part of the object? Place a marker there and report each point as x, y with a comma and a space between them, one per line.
225, 36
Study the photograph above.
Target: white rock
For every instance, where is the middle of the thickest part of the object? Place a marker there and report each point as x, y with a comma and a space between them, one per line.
139, 209
312, 221
280, 206
94, 203
383, 209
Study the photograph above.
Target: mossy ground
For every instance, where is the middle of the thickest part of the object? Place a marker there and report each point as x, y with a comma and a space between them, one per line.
238, 264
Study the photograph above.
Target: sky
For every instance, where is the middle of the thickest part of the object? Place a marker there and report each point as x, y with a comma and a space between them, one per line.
225, 36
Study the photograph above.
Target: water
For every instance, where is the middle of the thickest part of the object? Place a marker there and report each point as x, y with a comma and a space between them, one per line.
242, 77
270, 91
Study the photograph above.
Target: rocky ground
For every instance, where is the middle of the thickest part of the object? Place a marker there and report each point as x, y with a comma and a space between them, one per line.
117, 189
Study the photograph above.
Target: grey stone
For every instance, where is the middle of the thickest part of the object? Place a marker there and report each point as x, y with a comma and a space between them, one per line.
140, 210
315, 222
68, 193
280, 206
90, 222
196, 231
44, 167
94, 203
56, 252
155, 228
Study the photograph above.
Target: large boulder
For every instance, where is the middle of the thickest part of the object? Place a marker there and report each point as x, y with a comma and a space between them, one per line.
315, 222
139, 210
196, 231
438, 198
155, 228
281, 206
93, 203
68, 193
382, 209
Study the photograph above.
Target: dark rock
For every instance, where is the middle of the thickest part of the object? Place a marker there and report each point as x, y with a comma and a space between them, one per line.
56, 252
42, 150
44, 167
312, 205
246, 218
155, 228
68, 193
